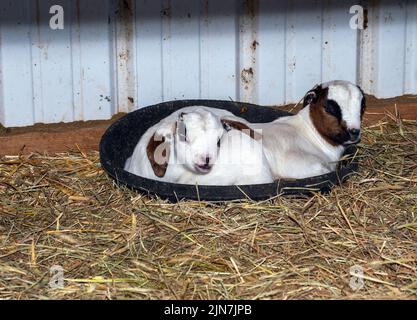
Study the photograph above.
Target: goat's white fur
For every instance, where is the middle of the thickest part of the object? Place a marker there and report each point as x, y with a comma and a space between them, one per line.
294, 149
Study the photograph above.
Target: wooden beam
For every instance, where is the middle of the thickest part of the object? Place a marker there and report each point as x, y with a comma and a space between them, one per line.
51, 142
63, 137
53, 138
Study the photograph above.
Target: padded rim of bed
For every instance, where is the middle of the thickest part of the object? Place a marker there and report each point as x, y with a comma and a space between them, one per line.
120, 139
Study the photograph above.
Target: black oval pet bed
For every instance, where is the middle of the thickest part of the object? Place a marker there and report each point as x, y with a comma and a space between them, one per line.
120, 139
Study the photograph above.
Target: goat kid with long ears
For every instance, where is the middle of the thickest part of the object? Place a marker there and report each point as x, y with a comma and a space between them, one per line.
312, 142
195, 146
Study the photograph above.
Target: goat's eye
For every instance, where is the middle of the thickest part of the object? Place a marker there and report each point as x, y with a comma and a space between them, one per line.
218, 143
333, 108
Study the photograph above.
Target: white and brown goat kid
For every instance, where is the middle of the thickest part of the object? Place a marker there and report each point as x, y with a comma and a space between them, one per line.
312, 142
195, 146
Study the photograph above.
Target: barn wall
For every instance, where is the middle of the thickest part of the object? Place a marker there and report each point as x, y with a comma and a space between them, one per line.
114, 56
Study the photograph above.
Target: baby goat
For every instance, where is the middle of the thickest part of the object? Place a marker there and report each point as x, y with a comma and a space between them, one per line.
196, 146
311, 142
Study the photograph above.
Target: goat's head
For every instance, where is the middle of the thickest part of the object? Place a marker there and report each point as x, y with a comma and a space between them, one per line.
336, 110
195, 137
198, 137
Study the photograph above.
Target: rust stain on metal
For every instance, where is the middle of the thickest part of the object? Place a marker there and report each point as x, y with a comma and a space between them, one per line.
125, 55
252, 7
127, 6
247, 75
166, 12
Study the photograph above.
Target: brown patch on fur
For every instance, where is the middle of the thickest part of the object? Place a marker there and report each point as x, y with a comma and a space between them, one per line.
158, 168
242, 127
327, 125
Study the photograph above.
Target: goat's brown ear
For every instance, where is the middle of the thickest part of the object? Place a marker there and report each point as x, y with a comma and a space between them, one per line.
158, 152
232, 124
313, 95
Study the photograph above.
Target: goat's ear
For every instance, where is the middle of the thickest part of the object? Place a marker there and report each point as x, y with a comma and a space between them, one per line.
232, 124
363, 102
180, 127
158, 151
312, 96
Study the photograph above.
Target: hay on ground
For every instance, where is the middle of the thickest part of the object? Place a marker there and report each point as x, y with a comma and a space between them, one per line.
113, 243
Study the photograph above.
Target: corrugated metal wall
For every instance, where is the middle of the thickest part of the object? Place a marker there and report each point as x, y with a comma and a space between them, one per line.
113, 56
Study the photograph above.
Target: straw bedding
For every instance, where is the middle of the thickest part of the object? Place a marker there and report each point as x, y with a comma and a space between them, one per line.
116, 244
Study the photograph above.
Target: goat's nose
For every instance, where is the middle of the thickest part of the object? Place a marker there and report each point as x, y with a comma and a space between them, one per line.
354, 133
207, 160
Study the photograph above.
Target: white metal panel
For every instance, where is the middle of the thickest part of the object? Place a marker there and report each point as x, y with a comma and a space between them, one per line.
149, 52
117, 55
271, 51
95, 60
339, 43
218, 45
180, 49
388, 49
410, 65
77, 83
391, 49
51, 66
2, 109
303, 48
16, 70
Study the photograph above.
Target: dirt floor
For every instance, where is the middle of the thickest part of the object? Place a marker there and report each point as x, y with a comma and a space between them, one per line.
359, 241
